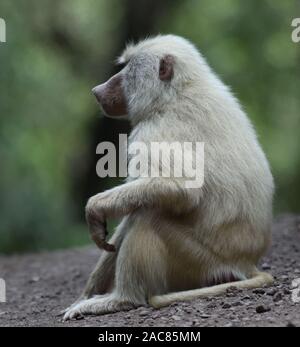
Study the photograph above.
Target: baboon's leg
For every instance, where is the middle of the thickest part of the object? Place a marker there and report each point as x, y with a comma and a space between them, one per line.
102, 277
141, 271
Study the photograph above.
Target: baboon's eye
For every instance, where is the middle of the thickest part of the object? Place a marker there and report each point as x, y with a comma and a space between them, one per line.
120, 66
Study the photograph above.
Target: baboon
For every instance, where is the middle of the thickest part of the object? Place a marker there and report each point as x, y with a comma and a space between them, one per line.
177, 243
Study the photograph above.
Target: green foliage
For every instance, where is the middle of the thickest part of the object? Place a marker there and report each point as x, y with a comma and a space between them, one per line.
57, 50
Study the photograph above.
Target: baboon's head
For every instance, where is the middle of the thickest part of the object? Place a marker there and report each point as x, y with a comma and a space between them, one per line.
152, 74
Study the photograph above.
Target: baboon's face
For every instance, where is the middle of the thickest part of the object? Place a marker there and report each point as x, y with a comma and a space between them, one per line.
138, 83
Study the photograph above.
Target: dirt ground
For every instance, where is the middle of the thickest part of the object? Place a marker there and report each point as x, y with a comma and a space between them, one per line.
40, 285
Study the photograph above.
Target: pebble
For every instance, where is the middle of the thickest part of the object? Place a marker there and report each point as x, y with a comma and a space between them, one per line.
237, 303
258, 291
176, 317
232, 289
212, 305
226, 305
246, 297
266, 266
189, 310
262, 309
204, 316
271, 292
277, 297
291, 325
228, 325
76, 275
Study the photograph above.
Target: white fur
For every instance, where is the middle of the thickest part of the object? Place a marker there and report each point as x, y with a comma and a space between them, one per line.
176, 239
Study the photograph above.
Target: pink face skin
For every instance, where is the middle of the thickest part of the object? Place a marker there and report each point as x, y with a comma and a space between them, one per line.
111, 97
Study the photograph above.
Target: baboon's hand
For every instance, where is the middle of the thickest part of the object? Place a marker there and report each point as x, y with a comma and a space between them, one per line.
97, 225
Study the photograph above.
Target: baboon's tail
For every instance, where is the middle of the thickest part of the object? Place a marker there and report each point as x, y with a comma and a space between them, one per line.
259, 279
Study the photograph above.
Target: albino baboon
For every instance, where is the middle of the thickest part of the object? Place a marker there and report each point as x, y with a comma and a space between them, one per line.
177, 243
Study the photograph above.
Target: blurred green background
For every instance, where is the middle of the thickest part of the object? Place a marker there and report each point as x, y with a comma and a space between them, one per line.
57, 50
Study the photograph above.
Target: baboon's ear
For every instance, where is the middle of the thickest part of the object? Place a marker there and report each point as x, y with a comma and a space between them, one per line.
166, 68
